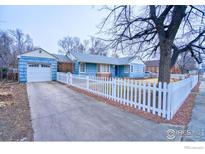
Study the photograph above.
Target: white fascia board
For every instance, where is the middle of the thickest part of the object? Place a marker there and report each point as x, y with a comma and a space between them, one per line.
39, 53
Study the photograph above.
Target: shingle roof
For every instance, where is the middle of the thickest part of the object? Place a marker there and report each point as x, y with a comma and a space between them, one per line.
62, 58
152, 63
101, 59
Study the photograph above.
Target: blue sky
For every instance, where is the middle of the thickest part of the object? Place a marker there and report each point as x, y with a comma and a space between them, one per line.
47, 24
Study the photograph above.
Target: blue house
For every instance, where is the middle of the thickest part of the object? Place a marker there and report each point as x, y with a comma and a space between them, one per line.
40, 65
96, 65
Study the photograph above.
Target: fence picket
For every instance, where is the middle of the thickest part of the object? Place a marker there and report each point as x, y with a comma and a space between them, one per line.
124, 92
164, 99
104, 87
144, 96
139, 95
109, 79
149, 97
118, 90
127, 92
135, 94
95, 84
154, 98
169, 104
159, 98
131, 95
121, 86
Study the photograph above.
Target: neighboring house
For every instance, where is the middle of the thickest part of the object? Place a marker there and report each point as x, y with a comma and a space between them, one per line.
153, 66
40, 65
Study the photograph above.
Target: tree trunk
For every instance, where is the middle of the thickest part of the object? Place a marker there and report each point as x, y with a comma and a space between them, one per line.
165, 62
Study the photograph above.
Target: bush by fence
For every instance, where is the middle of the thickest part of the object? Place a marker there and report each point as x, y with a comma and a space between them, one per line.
8, 74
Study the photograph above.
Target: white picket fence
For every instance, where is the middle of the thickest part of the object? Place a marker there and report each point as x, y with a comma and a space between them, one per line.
180, 91
160, 99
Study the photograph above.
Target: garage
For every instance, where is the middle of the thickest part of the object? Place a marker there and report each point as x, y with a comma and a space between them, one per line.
38, 72
37, 66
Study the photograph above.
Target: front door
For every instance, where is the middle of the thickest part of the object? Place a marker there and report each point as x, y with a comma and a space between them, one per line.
116, 70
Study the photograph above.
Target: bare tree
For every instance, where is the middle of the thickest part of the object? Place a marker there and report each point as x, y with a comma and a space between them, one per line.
115, 55
70, 44
97, 47
21, 44
186, 62
5, 49
13, 43
86, 43
73, 44
168, 30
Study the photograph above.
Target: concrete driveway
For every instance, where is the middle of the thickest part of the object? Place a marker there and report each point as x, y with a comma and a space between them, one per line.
61, 114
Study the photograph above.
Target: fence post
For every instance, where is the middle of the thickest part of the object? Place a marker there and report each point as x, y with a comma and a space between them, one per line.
71, 80
87, 82
169, 101
114, 88
57, 78
67, 77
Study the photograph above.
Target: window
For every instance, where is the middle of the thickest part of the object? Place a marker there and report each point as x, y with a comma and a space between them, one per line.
103, 68
45, 65
126, 69
33, 65
82, 67
131, 69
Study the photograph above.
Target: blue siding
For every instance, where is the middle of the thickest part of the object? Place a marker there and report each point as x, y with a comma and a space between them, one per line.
24, 60
76, 67
112, 70
91, 69
122, 71
138, 71
135, 74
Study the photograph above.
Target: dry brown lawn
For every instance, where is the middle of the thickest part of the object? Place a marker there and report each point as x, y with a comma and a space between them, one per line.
154, 80
15, 120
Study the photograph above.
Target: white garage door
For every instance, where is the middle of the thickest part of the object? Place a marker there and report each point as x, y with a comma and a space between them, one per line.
38, 72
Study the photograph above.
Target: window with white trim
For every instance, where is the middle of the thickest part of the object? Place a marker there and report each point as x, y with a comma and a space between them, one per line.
103, 68
82, 67
126, 68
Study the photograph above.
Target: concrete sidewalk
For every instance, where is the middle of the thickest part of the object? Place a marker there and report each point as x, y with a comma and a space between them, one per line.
196, 127
61, 114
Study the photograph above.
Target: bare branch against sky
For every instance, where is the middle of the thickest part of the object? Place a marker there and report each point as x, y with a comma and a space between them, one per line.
169, 30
